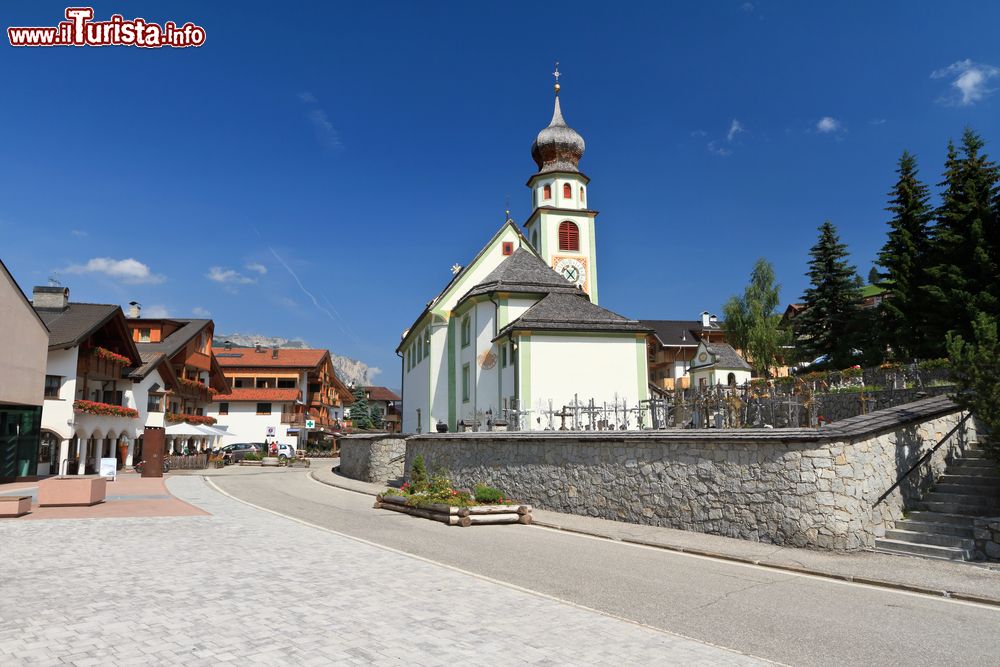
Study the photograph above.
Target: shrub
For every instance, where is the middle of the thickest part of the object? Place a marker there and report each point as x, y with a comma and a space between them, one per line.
418, 473
933, 364
487, 494
250, 456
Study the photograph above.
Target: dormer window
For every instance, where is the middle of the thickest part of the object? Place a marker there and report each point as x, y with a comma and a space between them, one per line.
547, 191
567, 191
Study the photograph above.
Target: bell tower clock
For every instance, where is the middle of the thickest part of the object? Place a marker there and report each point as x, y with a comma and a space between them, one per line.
561, 226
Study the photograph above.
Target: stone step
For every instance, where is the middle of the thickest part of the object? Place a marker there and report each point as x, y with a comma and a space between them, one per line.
983, 490
935, 539
968, 499
925, 550
966, 462
936, 527
940, 517
964, 478
953, 508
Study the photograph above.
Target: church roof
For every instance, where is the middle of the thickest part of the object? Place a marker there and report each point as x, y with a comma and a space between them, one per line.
525, 272
569, 311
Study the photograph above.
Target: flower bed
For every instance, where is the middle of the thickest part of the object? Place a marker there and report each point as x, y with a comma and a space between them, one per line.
108, 355
103, 409
436, 498
190, 419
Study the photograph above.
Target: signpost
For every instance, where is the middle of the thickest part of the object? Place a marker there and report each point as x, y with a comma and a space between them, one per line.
109, 469
310, 423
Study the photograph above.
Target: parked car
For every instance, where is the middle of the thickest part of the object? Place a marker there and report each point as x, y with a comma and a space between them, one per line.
235, 452
285, 452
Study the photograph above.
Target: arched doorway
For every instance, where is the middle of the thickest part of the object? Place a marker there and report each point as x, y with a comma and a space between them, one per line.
731, 380
48, 454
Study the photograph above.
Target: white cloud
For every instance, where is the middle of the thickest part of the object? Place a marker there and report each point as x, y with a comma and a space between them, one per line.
877, 121
130, 271
718, 149
747, 7
969, 80
734, 129
228, 276
308, 98
699, 133
373, 371
828, 124
325, 132
258, 268
198, 311
155, 311
79, 233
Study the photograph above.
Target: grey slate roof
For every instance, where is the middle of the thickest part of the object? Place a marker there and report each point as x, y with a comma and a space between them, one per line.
150, 360
724, 357
523, 272
563, 311
72, 325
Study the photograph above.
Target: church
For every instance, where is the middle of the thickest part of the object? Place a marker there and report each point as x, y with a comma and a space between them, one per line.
517, 333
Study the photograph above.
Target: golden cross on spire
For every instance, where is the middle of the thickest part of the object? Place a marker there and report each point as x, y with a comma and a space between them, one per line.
556, 74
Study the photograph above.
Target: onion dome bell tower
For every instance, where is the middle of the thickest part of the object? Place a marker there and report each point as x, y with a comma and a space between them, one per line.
561, 226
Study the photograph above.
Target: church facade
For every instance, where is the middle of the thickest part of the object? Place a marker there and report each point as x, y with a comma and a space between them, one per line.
517, 334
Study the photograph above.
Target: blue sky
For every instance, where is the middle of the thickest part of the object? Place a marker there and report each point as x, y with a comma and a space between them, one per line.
314, 172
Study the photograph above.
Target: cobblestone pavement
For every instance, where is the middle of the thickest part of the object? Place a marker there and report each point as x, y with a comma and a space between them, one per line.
247, 586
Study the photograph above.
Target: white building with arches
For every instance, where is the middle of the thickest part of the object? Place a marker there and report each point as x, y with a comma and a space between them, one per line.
517, 333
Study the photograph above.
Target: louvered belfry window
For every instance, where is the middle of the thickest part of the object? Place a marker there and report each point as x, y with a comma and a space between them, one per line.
567, 191
569, 236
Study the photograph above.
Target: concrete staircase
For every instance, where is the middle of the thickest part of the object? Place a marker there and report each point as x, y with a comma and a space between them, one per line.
940, 525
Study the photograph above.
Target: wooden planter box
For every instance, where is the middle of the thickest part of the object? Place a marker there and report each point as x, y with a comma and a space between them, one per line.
458, 516
14, 506
64, 491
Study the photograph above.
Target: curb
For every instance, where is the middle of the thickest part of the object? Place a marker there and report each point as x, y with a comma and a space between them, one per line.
716, 555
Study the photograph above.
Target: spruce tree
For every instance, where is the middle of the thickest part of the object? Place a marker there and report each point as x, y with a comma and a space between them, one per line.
360, 413
827, 324
904, 258
964, 244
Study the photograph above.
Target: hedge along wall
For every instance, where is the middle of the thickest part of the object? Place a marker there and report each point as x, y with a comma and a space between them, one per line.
802, 487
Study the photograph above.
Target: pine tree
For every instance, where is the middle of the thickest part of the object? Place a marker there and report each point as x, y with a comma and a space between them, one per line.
827, 324
752, 326
904, 258
360, 412
964, 243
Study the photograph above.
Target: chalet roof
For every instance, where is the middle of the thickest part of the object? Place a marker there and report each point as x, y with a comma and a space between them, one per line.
562, 311
70, 326
248, 357
152, 361
178, 339
523, 271
251, 394
679, 333
381, 394
723, 356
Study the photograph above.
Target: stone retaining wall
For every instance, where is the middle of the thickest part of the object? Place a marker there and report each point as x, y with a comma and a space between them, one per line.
803, 487
986, 532
372, 457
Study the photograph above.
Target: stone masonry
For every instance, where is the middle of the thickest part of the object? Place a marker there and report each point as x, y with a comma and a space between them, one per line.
803, 487
372, 457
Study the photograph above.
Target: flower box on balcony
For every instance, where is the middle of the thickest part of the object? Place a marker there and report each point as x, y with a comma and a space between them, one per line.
114, 357
104, 409
190, 419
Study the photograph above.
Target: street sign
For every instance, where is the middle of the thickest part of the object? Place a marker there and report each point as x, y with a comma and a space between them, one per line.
270, 431
310, 423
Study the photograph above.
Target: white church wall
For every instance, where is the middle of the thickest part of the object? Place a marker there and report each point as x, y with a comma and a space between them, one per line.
438, 377
417, 390
562, 366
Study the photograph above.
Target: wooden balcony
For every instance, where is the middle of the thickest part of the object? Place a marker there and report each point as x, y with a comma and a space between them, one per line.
91, 365
299, 419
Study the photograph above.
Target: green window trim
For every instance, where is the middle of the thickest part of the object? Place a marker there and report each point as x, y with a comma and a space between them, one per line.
466, 382
466, 331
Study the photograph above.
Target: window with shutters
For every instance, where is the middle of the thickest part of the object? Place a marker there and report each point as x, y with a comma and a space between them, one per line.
547, 191
567, 191
569, 236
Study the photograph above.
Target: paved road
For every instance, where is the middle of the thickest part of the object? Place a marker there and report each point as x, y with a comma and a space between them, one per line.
243, 586
778, 616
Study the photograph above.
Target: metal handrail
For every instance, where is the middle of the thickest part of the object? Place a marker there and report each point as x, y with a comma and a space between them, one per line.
923, 459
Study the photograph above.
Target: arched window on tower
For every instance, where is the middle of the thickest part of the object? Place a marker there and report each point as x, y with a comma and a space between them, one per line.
534, 239
582, 196
547, 191
569, 236
567, 191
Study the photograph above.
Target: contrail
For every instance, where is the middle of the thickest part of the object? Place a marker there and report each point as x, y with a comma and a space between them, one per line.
315, 301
